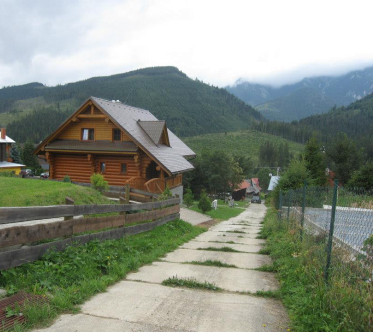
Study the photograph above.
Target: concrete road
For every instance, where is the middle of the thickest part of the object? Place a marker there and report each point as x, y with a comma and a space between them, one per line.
142, 303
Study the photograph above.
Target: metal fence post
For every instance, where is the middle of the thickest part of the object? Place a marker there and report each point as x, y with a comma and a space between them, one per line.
289, 194
303, 209
331, 231
280, 205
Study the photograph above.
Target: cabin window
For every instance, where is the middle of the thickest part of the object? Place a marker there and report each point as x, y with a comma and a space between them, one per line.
88, 134
102, 167
116, 134
123, 168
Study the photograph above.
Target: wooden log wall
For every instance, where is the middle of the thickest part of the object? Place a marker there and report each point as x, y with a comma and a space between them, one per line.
78, 167
113, 169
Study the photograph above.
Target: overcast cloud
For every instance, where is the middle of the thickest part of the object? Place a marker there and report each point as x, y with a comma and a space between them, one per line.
276, 42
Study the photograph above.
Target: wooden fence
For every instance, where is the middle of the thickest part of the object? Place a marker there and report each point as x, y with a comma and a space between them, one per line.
16, 246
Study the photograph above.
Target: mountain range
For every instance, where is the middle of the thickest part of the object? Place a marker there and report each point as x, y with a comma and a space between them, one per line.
190, 107
310, 96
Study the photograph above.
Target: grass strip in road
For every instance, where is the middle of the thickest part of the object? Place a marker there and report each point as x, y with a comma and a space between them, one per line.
215, 263
230, 242
71, 277
235, 232
266, 268
221, 249
190, 283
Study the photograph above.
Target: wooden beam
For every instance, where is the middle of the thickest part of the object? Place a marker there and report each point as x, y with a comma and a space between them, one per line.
20, 214
93, 116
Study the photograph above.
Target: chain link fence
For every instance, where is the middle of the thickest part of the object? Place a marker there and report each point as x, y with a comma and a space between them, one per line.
335, 223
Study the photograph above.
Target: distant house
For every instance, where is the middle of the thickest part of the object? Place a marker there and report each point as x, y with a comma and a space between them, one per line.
6, 164
254, 188
240, 192
273, 182
125, 144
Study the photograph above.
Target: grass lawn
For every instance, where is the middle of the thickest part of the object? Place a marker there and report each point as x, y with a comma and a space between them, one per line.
343, 304
71, 277
17, 192
223, 212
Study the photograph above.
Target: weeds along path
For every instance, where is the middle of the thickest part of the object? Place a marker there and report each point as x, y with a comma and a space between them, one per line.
218, 281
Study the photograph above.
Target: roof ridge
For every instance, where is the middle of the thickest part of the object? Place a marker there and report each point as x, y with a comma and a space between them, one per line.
121, 103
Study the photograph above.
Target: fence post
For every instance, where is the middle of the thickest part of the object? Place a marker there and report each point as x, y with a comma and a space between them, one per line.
303, 209
127, 193
122, 201
331, 231
289, 194
280, 204
68, 201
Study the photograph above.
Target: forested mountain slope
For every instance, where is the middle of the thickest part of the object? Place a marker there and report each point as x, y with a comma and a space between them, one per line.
190, 107
296, 105
356, 120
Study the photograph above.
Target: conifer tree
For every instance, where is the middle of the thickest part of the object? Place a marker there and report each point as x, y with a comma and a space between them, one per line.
315, 161
15, 153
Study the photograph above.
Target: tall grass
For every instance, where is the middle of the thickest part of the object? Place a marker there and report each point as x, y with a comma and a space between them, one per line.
344, 303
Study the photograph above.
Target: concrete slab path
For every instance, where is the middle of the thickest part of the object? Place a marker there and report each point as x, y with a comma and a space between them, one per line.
240, 260
238, 247
142, 303
193, 217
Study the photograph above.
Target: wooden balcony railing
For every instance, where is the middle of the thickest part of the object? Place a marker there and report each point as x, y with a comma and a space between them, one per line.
173, 182
137, 182
155, 185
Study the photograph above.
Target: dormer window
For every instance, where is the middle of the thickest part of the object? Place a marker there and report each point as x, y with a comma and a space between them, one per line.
88, 134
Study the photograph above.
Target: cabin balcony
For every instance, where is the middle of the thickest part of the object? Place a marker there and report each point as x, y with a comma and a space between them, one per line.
154, 185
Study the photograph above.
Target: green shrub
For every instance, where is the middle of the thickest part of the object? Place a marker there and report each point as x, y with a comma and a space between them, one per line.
188, 198
99, 183
165, 195
66, 179
204, 202
7, 174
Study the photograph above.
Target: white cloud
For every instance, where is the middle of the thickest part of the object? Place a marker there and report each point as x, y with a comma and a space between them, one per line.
216, 41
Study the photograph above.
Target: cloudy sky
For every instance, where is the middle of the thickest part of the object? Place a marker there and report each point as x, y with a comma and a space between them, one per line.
276, 42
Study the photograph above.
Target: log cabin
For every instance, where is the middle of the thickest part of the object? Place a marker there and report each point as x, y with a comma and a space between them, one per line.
6, 163
127, 145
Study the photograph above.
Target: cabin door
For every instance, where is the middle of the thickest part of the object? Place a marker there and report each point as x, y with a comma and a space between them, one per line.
151, 171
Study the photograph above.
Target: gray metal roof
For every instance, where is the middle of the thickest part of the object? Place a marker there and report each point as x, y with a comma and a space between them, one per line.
153, 129
6, 140
92, 146
5, 164
127, 117
273, 182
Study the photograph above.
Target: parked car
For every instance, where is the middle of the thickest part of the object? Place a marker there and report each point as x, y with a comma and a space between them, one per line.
256, 199
44, 175
26, 173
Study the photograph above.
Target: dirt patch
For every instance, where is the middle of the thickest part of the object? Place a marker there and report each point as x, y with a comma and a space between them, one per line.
207, 224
